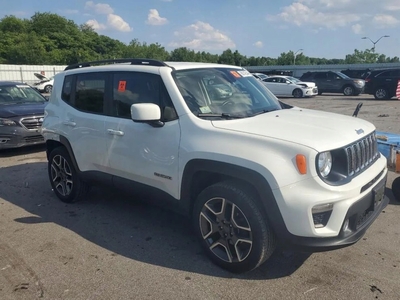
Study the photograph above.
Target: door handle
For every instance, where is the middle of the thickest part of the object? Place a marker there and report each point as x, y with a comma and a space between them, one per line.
115, 132
69, 123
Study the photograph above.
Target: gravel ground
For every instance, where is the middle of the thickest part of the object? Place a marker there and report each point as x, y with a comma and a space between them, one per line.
113, 247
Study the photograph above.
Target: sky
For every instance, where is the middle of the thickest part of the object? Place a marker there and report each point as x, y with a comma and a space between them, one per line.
321, 28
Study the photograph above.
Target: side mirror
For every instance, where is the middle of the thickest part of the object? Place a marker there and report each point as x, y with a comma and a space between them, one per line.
149, 113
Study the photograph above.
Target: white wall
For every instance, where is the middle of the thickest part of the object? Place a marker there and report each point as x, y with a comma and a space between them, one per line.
24, 73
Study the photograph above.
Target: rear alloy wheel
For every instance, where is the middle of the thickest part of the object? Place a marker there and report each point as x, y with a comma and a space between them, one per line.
297, 93
231, 227
381, 94
64, 179
348, 90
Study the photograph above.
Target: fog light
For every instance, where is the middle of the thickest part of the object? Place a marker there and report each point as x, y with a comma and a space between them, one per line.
346, 225
321, 214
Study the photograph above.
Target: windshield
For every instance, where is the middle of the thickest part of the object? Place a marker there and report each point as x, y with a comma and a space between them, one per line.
344, 76
222, 92
261, 75
13, 94
293, 79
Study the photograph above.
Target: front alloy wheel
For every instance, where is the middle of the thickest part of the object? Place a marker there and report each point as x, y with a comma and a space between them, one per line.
226, 230
232, 227
297, 93
348, 91
48, 89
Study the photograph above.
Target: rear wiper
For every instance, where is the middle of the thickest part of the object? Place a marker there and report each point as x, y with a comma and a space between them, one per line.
223, 115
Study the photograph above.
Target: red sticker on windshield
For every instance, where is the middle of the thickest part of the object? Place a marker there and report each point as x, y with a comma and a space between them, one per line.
235, 74
121, 86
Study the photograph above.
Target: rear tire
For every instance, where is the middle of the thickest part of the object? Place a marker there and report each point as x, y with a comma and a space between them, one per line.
64, 178
381, 94
232, 228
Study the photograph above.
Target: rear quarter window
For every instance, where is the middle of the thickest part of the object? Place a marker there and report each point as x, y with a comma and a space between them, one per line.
67, 89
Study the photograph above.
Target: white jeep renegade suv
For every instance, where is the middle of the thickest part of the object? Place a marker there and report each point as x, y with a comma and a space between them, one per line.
214, 143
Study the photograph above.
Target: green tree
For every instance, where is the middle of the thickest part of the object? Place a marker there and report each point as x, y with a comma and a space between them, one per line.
227, 57
362, 57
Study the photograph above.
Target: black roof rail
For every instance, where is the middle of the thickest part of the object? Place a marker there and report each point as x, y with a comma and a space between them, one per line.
132, 61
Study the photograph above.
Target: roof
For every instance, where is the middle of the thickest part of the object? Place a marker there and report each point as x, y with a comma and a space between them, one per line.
147, 63
6, 83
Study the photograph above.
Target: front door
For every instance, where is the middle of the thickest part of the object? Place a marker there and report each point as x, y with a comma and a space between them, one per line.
138, 151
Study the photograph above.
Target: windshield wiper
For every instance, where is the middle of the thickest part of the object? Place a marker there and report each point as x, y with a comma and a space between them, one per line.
223, 116
263, 112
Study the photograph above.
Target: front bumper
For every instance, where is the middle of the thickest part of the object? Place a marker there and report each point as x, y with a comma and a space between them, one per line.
358, 219
310, 92
359, 90
351, 212
15, 137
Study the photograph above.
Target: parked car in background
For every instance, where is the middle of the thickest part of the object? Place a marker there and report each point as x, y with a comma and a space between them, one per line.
334, 82
260, 76
356, 73
382, 83
45, 85
21, 115
290, 86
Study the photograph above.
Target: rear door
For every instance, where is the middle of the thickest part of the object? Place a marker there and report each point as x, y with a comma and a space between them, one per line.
334, 82
273, 85
389, 80
83, 124
321, 80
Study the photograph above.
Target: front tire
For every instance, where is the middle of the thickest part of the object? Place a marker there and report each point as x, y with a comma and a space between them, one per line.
396, 188
48, 89
348, 90
232, 228
297, 93
64, 178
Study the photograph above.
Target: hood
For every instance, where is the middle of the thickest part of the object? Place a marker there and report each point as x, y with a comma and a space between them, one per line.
319, 130
41, 77
309, 84
23, 109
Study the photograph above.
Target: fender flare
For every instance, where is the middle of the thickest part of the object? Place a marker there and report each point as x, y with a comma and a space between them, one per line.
251, 177
64, 142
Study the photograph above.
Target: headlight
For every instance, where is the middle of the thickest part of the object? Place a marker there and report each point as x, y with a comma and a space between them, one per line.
325, 163
7, 122
359, 83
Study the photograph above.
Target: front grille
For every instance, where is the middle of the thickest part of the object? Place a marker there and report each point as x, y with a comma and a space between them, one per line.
32, 123
361, 154
34, 139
